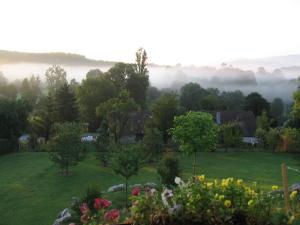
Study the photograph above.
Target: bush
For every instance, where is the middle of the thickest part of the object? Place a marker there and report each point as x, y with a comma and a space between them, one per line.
230, 135
261, 135
290, 140
153, 145
225, 202
272, 139
168, 170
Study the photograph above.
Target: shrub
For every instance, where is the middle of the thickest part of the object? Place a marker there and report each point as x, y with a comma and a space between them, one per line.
153, 145
168, 169
261, 134
272, 139
290, 140
221, 202
231, 135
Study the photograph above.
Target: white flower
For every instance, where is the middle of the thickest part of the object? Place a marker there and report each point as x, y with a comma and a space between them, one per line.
165, 196
178, 180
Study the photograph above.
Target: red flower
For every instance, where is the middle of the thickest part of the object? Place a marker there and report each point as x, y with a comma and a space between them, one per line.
101, 203
84, 209
112, 216
136, 191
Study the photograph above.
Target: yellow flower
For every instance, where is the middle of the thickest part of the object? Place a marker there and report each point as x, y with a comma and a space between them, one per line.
216, 196
227, 203
239, 182
293, 195
225, 183
230, 179
201, 178
291, 219
221, 197
274, 187
209, 184
216, 182
251, 203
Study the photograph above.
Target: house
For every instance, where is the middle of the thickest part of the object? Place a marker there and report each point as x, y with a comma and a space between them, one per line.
245, 119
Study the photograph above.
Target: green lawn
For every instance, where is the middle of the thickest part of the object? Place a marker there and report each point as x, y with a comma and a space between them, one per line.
32, 192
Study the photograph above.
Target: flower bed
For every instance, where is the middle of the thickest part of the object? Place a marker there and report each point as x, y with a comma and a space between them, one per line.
197, 201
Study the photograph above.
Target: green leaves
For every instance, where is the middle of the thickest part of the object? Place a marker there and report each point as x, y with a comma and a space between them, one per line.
194, 131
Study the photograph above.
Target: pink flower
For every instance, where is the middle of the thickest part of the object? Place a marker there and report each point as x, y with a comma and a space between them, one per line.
72, 224
84, 209
101, 203
136, 191
112, 216
84, 218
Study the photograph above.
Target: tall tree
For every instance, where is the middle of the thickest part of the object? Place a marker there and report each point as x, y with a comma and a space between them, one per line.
191, 95
256, 103
94, 73
164, 109
90, 94
116, 112
31, 89
56, 77
277, 109
65, 105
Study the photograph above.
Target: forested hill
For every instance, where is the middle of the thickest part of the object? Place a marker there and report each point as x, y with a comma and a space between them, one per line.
11, 57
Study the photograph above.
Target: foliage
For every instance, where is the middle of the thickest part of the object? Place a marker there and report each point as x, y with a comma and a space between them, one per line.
126, 162
65, 105
272, 139
56, 77
153, 144
231, 135
31, 89
261, 135
66, 148
191, 96
168, 169
195, 131
116, 112
90, 94
95, 73
291, 140
92, 192
222, 202
277, 110
164, 109
13, 118
234, 100
256, 103
263, 121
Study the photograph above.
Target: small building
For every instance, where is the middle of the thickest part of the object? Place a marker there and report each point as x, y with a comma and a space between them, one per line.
245, 119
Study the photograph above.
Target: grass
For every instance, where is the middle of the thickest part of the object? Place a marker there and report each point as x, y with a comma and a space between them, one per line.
32, 192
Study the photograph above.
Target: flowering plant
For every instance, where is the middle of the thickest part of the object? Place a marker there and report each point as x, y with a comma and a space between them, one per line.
102, 215
218, 202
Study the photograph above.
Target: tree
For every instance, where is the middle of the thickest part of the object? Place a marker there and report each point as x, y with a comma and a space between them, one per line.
263, 121
194, 131
152, 94
153, 144
31, 90
164, 109
56, 77
13, 118
231, 135
234, 100
256, 103
65, 105
272, 139
116, 112
168, 169
191, 96
95, 73
277, 109
90, 94
126, 162
66, 148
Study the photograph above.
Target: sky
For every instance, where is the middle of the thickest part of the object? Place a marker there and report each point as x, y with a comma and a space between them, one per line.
189, 32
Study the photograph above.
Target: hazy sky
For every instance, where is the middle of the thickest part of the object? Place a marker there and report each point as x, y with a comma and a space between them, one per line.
189, 32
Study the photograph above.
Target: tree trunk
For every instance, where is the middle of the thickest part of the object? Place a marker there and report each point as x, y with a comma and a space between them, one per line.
194, 165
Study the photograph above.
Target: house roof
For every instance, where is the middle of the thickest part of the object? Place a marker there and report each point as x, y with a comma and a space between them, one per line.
245, 119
